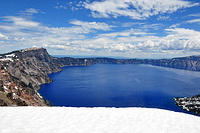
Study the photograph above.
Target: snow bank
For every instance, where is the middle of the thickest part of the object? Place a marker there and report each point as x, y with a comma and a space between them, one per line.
95, 120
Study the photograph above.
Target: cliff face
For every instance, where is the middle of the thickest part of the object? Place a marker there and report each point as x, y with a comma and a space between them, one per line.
22, 72
32, 66
191, 63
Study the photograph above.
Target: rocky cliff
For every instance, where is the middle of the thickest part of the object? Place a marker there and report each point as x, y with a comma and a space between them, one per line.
191, 104
23, 71
191, 63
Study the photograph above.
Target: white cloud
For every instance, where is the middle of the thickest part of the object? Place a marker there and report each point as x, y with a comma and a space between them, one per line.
23, 32
195, 15
125, 33
21, 22
142, 8
3, 37
178, 41
129, 24
26, 33
193, 21
163, 18
58, 6
92, 25
174, 26
151, 26
30, 11
142, 26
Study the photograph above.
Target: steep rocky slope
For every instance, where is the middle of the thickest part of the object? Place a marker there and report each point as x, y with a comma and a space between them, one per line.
21, 74
188, 63
32, 66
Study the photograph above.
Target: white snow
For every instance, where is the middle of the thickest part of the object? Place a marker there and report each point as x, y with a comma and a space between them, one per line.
39, 95
95, 120
10, 55
5, 88
16, 88
6, 59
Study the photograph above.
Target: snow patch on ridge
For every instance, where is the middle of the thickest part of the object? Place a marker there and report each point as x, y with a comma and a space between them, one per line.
6, 59
10, 55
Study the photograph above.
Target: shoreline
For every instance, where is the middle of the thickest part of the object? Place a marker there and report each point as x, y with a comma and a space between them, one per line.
174, 101
23, 72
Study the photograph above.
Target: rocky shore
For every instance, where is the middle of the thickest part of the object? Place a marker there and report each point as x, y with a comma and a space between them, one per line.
23, 71
191, 104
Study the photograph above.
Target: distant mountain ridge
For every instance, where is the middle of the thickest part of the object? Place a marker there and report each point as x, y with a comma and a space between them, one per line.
23, 71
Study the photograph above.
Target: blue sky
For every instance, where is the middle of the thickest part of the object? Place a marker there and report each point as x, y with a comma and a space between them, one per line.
125, 28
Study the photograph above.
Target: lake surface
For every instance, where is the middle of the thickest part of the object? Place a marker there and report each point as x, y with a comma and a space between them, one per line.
111, 85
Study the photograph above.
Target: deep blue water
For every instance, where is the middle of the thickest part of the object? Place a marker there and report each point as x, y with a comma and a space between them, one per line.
108, 85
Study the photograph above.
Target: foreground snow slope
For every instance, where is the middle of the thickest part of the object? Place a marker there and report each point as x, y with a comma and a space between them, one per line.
95, 120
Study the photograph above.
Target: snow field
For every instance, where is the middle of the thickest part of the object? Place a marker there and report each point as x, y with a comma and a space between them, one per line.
95, 120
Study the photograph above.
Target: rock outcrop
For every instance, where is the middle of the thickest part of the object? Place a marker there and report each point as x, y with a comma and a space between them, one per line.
191, 104
21, 74
23, 71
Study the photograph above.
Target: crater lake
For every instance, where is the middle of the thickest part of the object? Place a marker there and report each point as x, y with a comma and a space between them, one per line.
124, 85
